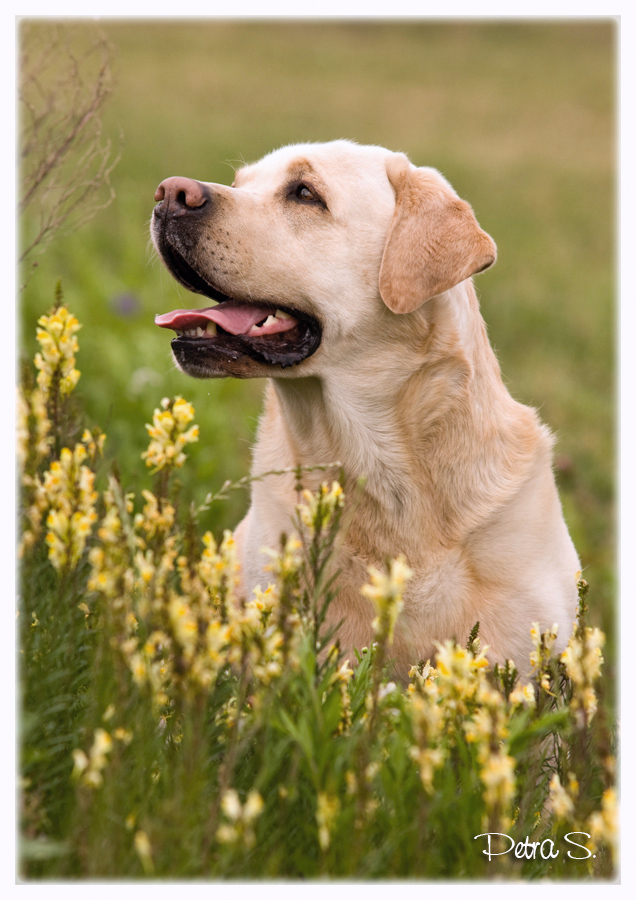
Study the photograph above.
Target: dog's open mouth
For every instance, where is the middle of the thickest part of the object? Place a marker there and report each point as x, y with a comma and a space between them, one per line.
213, 341
232, 328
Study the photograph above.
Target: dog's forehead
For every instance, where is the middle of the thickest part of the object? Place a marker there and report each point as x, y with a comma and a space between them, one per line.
341, 162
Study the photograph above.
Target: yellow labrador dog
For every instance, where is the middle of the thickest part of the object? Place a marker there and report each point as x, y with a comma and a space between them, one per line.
343, 274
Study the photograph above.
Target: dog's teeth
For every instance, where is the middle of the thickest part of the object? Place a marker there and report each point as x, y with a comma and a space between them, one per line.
282, 315
256, 329
200, 331
210, 328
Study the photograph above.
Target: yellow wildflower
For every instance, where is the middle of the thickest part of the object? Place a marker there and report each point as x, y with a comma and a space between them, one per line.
427, 715
498, 777
88, 769
285, 562
58, 345
603, 825
80, 762
241, 817
583, 659
479, 727
184, 624
144, 851
543, 644
522, 695
317, 509
69, 487
559, 802
231, 805
253, 806
429, 759
326, 813
385, 592
169, 434
33, 429
157, 516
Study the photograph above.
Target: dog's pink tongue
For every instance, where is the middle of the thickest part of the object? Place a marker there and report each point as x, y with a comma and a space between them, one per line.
231, 315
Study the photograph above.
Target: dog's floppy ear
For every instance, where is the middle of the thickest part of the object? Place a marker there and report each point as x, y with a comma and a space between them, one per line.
434, 241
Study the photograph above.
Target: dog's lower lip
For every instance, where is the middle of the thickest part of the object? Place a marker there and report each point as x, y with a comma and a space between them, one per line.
199, 354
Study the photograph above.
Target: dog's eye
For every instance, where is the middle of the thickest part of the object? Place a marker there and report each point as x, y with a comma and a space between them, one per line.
305, 194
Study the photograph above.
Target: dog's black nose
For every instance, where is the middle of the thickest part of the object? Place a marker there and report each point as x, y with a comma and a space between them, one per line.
178, 196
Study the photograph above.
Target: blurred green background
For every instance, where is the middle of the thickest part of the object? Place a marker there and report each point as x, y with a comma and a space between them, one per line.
519, 116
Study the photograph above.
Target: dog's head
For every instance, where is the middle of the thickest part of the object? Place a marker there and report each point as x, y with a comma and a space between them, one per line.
313, 244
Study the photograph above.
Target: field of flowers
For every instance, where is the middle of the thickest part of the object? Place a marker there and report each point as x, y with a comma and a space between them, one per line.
172, 729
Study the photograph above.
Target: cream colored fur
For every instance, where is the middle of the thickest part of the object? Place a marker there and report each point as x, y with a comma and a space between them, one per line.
404, 389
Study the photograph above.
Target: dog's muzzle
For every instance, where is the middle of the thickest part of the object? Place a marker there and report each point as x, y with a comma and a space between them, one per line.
233, 336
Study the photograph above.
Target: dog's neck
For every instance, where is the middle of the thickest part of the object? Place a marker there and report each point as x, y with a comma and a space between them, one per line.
405, 405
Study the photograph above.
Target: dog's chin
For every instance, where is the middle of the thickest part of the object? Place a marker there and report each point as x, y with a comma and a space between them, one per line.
224, 354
